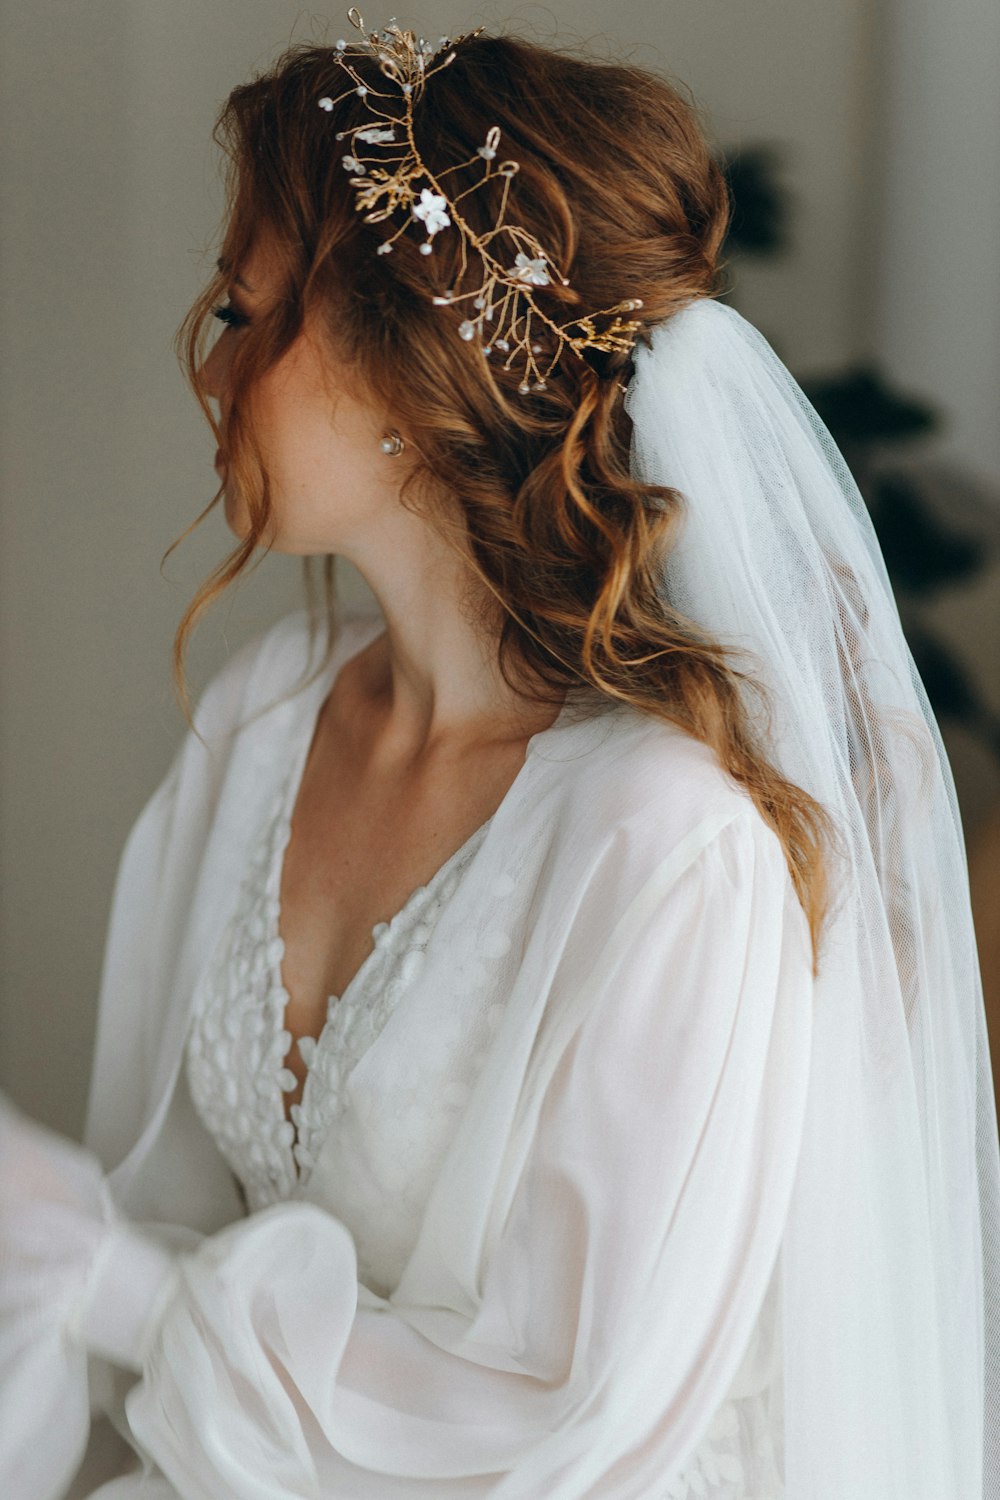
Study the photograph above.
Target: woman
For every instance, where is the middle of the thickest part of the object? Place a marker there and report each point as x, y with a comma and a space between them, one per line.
538, 1055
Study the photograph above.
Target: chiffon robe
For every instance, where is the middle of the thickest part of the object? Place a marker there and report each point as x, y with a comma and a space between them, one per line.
593, 1273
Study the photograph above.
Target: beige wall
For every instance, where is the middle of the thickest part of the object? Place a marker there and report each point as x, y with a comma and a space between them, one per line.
110, 197
937, 273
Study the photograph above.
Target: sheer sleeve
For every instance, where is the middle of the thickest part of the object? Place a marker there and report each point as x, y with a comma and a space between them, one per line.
623, 1285
56, 1217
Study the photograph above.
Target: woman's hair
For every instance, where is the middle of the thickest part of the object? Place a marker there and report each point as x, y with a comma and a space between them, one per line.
618, 183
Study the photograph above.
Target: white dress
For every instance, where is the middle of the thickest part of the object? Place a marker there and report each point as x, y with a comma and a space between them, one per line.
522, 1237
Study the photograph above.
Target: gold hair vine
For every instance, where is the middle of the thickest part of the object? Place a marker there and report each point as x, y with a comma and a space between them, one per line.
397, 177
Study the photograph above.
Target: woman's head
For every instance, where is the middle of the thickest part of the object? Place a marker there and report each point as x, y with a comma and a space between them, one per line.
616, 180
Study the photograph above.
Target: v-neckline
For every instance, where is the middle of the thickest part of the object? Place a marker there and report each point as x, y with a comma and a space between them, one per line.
293, 787
346, 999
388, 924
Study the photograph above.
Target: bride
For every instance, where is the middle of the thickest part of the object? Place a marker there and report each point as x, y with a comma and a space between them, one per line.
541, 1050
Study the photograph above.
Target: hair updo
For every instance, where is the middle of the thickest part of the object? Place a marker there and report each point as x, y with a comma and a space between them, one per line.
618, 183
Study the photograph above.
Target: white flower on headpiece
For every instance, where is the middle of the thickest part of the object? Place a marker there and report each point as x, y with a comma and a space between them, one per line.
374, 136
432, 208
526, 269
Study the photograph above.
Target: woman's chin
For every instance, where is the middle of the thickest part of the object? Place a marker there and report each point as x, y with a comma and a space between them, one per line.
238, 522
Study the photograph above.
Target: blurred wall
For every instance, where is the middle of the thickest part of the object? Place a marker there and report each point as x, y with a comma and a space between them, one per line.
110, 201
936, 282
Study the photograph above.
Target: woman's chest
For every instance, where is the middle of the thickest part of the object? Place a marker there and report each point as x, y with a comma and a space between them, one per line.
270, 1097
394, 1062
357, 850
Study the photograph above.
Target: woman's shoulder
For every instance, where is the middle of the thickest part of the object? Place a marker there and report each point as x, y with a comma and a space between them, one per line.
626, 762
628, 779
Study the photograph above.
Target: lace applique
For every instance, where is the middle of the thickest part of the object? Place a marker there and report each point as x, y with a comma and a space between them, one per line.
714, 1465
737, 1459
238, 1046
355, 1021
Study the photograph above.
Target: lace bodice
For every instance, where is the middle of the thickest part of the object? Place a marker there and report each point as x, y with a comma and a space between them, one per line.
238, 1047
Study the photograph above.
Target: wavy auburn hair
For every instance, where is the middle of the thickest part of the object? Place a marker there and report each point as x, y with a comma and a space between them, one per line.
618, 183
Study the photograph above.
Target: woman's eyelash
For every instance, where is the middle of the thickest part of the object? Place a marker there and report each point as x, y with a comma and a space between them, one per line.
227, 314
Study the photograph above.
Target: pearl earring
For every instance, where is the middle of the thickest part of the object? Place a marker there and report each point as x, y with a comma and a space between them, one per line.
392, 443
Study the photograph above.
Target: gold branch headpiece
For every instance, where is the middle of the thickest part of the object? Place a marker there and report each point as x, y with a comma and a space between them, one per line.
505, 316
